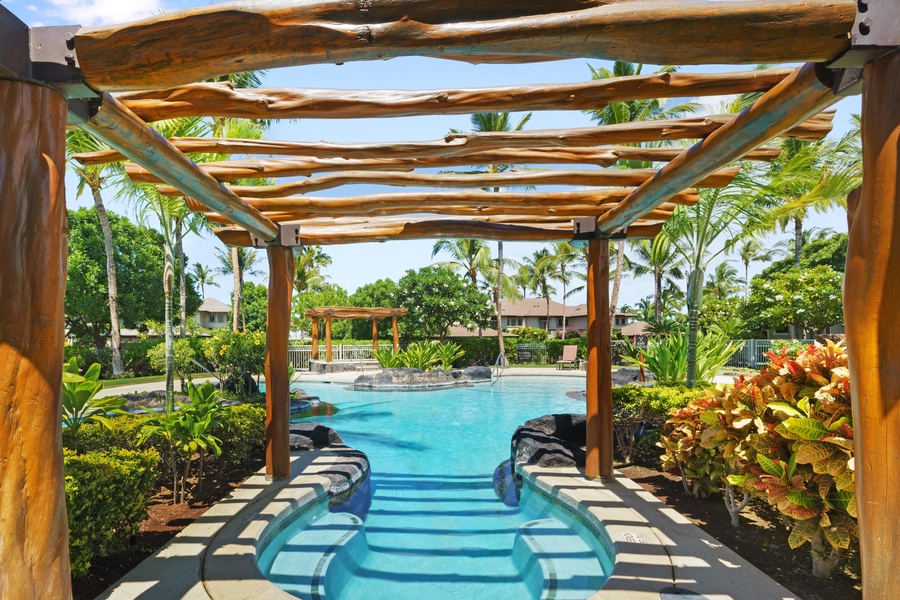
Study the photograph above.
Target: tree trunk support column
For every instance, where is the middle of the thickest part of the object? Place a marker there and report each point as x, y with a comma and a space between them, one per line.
374, 334
34, 550
278, 322
396, 333
599, 364
871, 297
315, 338
328, 338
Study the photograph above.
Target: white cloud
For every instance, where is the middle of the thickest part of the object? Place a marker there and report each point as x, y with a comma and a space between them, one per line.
100, 12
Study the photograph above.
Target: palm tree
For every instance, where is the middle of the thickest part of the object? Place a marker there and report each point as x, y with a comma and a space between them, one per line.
724, 281
524, 278
487, 122
245, 259
810, 176
310, 261
660, 260
752, 251
730, 213
559, 262
203, 277
94, 177
539, 266
471, 257
630, 111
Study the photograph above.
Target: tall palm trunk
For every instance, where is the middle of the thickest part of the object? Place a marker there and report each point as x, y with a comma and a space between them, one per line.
746, 280
112, 285
563, 332
498, 301
694, 297
168, 284
798, 247
617, 281
547, 298
237, 297
657, 295
182, 277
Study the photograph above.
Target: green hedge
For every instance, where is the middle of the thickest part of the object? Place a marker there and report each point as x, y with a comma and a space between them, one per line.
659, 399
107, 494
243, 432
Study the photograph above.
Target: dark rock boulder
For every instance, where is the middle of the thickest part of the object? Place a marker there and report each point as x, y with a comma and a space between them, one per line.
408, 379
550, 441
312, 436
505, 484
477, 374
835, 338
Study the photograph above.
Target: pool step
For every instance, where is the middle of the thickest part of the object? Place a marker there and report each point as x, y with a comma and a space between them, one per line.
334, 541
556, 563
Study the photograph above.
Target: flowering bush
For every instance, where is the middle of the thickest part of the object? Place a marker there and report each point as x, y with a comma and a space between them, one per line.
808, 298
236, 355
785, 436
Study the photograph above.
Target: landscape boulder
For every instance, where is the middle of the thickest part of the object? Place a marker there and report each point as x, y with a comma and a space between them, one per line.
406, 378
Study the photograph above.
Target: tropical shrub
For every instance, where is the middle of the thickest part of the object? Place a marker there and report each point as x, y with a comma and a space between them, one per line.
236, 356
666, 357
479, 350
785, 436
184, 354
79, 402
107, 494
134, 358
420, 355
243, 432
637, 409
387, 358
448, 353
531, 335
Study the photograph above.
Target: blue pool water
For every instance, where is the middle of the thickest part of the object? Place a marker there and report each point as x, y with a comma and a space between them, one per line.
435, 527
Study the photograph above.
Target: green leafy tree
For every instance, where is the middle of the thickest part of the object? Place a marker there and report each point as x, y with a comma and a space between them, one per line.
379, 294
724, 315
438, 298
810, 298
140, 272
256, 303
829, 250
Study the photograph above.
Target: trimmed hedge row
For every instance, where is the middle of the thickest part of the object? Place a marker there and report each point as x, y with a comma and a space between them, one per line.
107, 494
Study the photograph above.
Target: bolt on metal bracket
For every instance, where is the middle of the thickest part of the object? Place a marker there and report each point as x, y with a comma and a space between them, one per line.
586, 229
288, 235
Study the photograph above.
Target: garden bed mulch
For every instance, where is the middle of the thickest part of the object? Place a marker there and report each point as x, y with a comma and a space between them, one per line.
761, 539
164, 521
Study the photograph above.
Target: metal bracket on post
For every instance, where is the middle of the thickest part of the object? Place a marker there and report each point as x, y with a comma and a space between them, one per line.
876, 32
288, 235
586, 229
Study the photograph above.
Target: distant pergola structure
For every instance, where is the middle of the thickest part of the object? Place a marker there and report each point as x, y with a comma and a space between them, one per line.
112, 80
351, 312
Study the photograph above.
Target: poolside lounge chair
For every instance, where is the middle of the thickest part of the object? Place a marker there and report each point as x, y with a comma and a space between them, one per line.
569, 357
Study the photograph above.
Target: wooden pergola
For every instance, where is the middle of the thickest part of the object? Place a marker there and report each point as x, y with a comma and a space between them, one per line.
112, 80
351, 312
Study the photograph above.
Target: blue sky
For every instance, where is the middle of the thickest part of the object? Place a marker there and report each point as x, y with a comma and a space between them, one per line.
355, 265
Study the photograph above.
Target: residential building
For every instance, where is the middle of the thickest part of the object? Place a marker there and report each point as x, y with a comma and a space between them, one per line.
533, 312
213, 314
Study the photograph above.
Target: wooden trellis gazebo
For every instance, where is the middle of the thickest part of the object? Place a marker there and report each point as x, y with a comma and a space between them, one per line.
351, 312
112, 80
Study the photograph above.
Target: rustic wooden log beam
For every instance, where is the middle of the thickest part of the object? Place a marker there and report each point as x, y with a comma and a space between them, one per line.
425, 200
34, 544
233, 170
432, 228
187, 46
793, 100
278, 326
121, 129
463, 144
871, 297
511, 178
226, 101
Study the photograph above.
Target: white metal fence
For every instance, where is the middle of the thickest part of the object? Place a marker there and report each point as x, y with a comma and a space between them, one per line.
300, 355
753, 353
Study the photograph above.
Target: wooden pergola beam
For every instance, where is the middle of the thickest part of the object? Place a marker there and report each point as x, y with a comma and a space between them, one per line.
603, 156
430, 228
121, 129
355, 312
461, 144
511, 178
225, 101
187, 46
793, 100
426, 201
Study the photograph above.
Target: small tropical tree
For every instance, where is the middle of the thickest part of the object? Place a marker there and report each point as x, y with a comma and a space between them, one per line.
203, 277
559, 263
659, 259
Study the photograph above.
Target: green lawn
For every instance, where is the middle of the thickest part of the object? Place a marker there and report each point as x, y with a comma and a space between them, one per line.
113, 383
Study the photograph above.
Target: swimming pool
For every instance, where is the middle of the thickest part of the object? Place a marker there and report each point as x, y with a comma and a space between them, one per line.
435, 528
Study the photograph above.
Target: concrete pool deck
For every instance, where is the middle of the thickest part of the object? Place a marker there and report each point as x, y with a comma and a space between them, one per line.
656, 548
